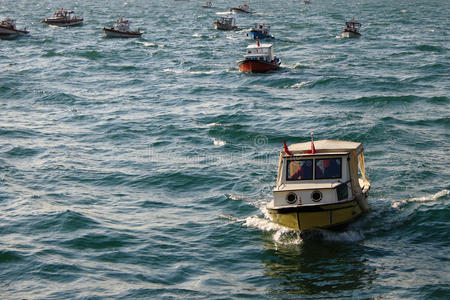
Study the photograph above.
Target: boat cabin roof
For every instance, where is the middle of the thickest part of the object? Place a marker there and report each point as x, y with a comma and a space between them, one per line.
327, 146
353, 24
255, 46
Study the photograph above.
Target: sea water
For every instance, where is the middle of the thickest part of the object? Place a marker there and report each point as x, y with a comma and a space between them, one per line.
140, 168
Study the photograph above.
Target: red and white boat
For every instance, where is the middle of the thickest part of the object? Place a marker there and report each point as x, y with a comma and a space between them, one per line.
121, 29
8, 29
64, 18
259, 59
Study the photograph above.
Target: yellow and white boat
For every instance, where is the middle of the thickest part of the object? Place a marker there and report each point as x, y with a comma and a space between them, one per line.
318, 185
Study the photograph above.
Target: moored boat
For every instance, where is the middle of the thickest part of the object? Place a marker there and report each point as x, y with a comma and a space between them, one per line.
259, 59
260, 31
208, 4
351, 29
243, 8
121, 29
318, 185
225, 23
64, 18
8, 29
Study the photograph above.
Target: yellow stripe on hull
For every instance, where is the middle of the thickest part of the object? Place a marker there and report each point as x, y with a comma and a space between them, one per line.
320, 216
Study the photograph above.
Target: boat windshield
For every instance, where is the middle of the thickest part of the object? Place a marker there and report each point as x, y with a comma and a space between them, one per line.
328, 168
300, 169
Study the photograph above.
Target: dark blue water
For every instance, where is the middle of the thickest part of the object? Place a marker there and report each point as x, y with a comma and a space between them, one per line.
141, 168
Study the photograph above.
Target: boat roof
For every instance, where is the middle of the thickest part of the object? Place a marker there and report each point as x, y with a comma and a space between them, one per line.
327, 146
260, 46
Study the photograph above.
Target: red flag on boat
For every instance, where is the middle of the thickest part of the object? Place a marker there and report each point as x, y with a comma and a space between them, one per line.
313, 149
257, 42
286, 149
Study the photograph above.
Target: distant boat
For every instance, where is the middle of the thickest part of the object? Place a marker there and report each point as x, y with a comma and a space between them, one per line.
208, 4
244, 8
64, 18
351, 29
8, 29
121, 29
225, 23
306, 1
259, 59
260, 31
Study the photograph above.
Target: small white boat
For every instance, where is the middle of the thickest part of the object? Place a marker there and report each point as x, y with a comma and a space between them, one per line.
208, 4
121, 29
8, 29
244, 8
351, 29
64, 18
318, 185
225, 23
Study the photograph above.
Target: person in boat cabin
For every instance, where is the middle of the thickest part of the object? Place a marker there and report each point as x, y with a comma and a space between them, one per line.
302, 169
328, 168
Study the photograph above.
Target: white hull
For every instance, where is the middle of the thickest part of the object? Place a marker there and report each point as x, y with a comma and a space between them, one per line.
349, 34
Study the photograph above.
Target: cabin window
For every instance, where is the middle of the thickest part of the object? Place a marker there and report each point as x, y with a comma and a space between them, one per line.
328, 168
301, 169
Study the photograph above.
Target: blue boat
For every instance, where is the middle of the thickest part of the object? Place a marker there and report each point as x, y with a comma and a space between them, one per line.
260, 31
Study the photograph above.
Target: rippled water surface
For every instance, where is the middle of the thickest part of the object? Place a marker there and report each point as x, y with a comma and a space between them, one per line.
141, 168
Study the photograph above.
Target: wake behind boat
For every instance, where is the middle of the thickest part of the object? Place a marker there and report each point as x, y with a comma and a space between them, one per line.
121, 29
259, 59
318, 185
64, 18
8, 29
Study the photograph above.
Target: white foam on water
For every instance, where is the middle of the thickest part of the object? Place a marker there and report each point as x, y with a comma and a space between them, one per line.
262, 224
197, 35
219, 143
222, 13
213, 124
147, 44
424, 199
299, 85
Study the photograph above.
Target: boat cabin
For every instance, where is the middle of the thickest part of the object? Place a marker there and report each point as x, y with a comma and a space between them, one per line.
352, 26
9, 23
328, 176
226, 21
260, 52
122, 25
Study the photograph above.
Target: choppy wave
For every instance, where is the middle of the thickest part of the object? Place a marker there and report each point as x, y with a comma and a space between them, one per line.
431, 199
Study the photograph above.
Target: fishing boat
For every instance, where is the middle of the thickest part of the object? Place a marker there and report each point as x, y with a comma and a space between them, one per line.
8, 29
260, 31
208, 4
64, 18
318, 185
243, 8
351, 29
225, 23
121, 29
259, 59
306, 1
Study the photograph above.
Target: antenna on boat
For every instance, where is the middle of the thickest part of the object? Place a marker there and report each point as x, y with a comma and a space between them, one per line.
313, 149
